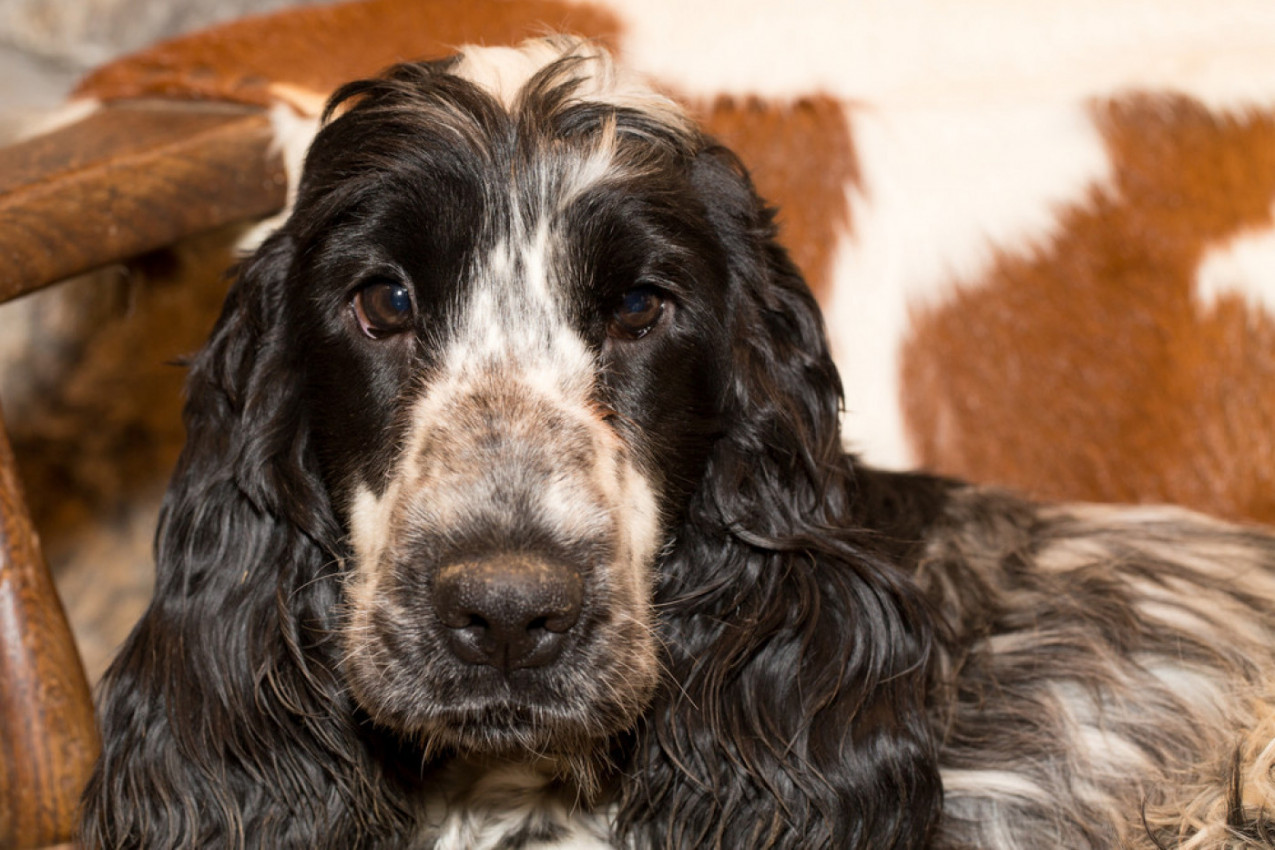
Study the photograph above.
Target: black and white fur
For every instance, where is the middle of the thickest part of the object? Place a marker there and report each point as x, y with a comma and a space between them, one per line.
601, 389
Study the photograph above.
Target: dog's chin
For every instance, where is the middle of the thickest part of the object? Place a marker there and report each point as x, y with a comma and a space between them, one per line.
511, 732
509, 723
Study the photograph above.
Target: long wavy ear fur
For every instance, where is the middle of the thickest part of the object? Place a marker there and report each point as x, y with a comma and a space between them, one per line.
223, 720
797, 653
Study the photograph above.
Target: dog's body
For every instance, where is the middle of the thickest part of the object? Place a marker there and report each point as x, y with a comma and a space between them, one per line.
1093, 657
514, 514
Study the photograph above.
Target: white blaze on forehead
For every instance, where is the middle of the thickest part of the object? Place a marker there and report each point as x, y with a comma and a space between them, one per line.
517, 316
503, 72
517, 309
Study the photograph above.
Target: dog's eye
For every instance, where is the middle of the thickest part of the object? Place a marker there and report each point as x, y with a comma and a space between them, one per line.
638, 310
383, 307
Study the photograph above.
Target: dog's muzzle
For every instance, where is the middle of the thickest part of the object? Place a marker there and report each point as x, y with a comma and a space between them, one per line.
502, 586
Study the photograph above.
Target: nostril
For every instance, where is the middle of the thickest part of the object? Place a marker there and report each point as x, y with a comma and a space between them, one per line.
475, 625
508, 611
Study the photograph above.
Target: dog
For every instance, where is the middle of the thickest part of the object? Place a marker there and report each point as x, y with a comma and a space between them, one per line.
514, 514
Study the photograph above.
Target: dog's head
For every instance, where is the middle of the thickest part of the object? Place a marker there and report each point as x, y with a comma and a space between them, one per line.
507, 287
520, 436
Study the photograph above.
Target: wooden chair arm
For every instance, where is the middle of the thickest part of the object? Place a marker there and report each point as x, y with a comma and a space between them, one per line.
131, 177
48, 737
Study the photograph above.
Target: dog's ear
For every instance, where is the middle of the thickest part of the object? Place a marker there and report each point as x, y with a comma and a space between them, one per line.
222, 716
798, 652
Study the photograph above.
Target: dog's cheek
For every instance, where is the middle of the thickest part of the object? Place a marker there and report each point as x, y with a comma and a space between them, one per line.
678, 418
366, 616
632, 623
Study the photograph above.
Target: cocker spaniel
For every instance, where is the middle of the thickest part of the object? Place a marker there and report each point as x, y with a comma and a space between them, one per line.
514, 514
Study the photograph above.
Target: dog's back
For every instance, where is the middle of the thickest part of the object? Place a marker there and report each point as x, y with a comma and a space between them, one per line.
1105, 677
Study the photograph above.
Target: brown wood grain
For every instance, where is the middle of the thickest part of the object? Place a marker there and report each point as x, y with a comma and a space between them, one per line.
130, 178
48, 737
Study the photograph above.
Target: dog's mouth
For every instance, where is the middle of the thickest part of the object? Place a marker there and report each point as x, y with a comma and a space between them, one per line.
489, 712
510, 729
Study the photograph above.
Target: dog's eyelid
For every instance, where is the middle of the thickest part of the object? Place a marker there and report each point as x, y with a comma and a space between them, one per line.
377, 274
662, 286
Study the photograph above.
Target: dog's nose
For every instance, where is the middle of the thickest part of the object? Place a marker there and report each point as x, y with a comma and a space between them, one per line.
509, 611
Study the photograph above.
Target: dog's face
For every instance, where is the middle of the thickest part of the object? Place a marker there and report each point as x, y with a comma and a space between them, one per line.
508, 300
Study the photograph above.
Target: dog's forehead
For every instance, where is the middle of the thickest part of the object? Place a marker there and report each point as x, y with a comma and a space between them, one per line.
516, 300
492, 144
517, 190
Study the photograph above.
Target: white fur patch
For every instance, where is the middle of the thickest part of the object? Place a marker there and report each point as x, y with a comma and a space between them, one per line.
507, 800
504, 71
370, 520
991, 783
371, 525
910, 52
1243, 267
942, 188
514, 317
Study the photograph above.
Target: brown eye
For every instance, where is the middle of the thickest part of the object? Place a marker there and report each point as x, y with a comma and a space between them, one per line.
383, 308
637, 312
